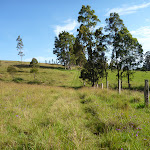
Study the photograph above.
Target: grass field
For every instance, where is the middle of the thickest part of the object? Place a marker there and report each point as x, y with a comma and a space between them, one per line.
61, 114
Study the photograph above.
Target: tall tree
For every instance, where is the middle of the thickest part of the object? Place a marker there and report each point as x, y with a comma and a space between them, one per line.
64, 48
113, 26
133, 55
90, 39
79, 53
88, 20
20, 47
146, 64
126, 51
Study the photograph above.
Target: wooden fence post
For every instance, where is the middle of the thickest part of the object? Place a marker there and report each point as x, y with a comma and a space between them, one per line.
97, 85
107, 84
146, 93
102, 85
119, 88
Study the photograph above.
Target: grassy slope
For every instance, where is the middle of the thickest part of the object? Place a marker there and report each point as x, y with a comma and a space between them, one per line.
53, 75
52, 117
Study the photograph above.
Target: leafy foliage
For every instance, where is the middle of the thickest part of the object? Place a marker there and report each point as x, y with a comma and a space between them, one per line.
64, 48
11, 69
126, 50
34, 62
146, 65
92, 40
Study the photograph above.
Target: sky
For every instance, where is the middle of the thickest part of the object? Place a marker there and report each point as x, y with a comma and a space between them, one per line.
39, 21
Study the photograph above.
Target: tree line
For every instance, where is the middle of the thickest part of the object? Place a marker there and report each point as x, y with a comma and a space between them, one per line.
90, 47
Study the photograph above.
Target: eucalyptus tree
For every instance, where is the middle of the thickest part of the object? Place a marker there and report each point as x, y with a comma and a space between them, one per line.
79, 53
146, 64
88, 20
91, 41
20, 47
126, 50
64, 48
133, 55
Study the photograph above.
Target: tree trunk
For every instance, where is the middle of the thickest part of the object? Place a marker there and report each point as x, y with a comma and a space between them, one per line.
93, 83
128, 80
118, 78
106, 79
121, 79
84, 83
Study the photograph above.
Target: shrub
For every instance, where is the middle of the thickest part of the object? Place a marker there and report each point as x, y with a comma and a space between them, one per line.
11, 70
34, 62
17, 80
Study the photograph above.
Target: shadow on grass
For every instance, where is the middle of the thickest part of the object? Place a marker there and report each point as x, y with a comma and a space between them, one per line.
22, 66
44, 67
72, 87
134, 88
138, 88
52, 67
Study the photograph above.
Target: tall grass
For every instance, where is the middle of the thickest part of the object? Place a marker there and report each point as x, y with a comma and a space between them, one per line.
55, 111
46, 117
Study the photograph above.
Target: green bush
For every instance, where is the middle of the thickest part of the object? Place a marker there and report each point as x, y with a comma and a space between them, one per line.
17, 80
34, 62
11, 70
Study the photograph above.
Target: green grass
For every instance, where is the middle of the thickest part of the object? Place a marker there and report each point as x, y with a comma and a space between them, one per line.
53, 75
55, 116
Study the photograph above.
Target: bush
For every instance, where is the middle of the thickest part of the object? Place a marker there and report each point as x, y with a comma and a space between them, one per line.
34, 62
11, 70
17, 80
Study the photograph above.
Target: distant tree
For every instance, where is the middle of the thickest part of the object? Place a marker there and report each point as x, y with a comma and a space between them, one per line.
20, 47
146, 65
11, 70
64, 48
34, 63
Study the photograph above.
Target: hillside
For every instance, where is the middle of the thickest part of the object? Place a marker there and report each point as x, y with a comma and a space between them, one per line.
56, 112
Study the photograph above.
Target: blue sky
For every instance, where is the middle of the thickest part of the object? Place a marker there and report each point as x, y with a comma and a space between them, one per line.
39, 21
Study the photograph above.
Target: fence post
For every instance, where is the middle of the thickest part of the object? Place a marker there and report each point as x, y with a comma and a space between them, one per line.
146, 93
102, 85
119, 88
107, 85
97, 85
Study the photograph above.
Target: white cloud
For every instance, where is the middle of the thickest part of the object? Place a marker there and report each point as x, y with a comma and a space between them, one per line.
70, 26
143, 36
127, 10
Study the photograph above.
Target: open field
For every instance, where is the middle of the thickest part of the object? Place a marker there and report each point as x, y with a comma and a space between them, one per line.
61, 114
56, 75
